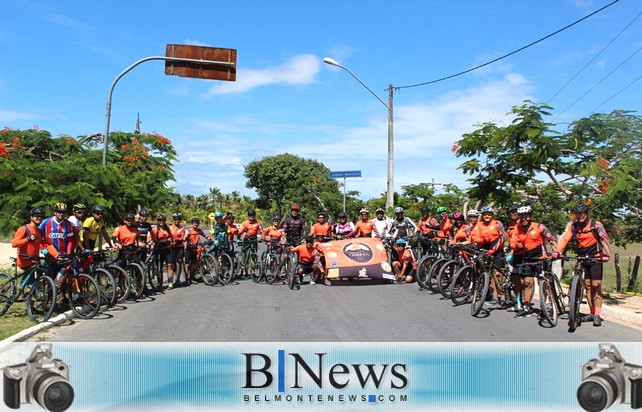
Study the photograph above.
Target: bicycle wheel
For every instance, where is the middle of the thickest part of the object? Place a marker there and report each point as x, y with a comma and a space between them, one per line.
293, 277
461, 286
7, 291
122, 282
434, 272
423, 271
225, 267
84, 296
41, 299
445, 277
575, 296
208, 269
561, 297
155, 274
271, 269
547, 301
479, 293
254, 268
136, 276
107, 284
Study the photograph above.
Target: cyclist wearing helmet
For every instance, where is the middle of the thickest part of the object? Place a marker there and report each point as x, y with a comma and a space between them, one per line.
343, 228
490, 234
591, 240
219, 231
126, 234
405, 264
294, 226
380, 225
177, 232
321, 229
144, 228
401, 227
92, 227
309, 261
29, 241
446, 223
193, 237
473, 217
162, 238
274, 236
527, 242
77, 217
232, 228
364, 226
251, 228
513, 219
461, 229
60, 231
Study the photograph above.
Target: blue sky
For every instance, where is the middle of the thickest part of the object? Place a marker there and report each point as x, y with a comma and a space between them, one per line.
59, 59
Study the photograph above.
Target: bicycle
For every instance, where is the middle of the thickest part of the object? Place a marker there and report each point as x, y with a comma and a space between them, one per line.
461, 255
224, 261
576, 290
121, 280
249, 260
80, 290
471, 282
104, 278
37, 288
135, 271
553, 299
271, 261
290, 260
430, 264
154, 266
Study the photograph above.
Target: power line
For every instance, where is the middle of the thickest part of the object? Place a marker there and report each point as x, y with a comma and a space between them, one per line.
597, 84
610, 98
595, 57
511, 53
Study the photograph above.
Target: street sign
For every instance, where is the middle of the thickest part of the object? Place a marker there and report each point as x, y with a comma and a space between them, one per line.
349, 173
225, 71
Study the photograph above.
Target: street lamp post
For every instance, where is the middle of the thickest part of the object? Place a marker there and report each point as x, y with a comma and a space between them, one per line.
390, 187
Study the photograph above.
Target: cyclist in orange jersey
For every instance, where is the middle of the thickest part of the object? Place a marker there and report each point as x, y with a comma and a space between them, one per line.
405, 265
309, 260
592, 240
251, 228
512, 219
473, 218
321, 229
364, 226
162, 238
126, 234
461, 229
29, 241
177, 230
274, 236
528, 244
489, 234
192, 240
233, 228
445, 224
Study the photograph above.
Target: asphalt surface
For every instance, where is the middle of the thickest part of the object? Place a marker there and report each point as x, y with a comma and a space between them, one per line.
357, 312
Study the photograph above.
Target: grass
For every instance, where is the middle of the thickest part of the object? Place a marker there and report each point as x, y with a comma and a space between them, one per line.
15, 320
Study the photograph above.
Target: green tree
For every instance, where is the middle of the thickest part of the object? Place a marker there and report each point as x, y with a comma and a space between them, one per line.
597, 160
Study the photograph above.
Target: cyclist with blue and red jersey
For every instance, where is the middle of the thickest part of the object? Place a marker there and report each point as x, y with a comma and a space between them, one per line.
62, 234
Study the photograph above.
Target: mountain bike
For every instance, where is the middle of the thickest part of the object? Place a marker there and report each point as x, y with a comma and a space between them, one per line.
271, 262
462, 255
249, 260
222, 254
36, 287
154, 266
577, 289
553, 299
135, 271
100, 259
80, 290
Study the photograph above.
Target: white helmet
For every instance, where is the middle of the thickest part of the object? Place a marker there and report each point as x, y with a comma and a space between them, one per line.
473, 213
524, 210
398, 209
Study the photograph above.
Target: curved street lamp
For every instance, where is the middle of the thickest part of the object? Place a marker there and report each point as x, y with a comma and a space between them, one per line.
390, 188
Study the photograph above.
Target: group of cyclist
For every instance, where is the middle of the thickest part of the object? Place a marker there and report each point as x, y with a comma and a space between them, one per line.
522, 238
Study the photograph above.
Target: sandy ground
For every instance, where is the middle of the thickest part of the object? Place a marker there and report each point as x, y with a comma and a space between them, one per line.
5, 252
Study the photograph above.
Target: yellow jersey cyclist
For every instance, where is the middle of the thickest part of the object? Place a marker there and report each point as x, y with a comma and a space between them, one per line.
94, 226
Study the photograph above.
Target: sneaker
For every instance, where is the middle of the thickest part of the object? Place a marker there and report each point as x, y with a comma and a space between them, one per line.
516, 308
524, 313
586, 318
597, 321
312, 282
170, 286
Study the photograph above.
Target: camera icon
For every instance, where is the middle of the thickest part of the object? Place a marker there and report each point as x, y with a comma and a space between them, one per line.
608, 379
40, 379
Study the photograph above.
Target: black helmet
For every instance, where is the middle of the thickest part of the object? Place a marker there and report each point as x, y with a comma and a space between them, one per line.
37, 211
144, 212
342, 215
580, 208
423, 209
196, 220
177, 216
98, 209
128, 216
251, 212
309, 239
161, 217
320, 214
276, 218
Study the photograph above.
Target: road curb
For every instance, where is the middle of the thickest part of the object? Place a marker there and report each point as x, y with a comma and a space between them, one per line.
622, 315
29, 332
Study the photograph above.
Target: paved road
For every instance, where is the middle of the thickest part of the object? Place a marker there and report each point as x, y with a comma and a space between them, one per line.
248, 312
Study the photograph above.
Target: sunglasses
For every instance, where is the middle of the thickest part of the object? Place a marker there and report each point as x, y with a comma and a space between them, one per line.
98, 213
38, 216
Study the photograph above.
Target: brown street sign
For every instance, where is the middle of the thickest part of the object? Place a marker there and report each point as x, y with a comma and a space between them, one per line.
226, 70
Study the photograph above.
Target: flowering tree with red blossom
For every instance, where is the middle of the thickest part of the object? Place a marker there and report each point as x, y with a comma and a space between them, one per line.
37, 169
597, 160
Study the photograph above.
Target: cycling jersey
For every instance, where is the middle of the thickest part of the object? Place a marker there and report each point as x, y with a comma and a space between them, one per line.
402, 228
273, 233
320, 229
232, 230
427, 225
406, 257
219, 232
306, 255
162, 236
144, 230
363, 228
251, 229
92, 228
30, 248
63, 235
177, 233
343, 229
380, 227
590, 236
462, 233
294, 227
529, 241
125, 235
445, 227
489, 236
193, 236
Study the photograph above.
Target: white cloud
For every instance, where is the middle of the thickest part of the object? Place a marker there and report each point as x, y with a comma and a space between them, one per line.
299, 70
9, 116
